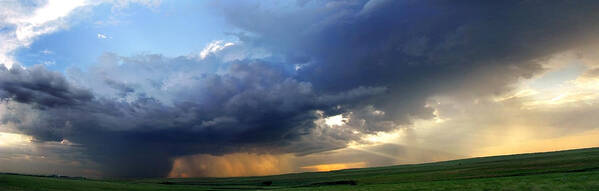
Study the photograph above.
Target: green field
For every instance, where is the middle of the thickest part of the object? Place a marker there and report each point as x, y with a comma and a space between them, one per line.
562, 170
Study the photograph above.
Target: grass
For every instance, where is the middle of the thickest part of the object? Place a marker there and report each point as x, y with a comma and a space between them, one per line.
562, 170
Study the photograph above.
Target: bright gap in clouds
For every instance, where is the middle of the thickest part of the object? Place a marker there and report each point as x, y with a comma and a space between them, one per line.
565, 83
336, 120
530, 118
12, 139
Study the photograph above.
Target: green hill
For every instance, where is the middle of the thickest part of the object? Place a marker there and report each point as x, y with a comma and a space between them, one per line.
561, 170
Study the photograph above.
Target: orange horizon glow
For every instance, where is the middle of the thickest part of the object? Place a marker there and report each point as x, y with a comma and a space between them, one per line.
334, 166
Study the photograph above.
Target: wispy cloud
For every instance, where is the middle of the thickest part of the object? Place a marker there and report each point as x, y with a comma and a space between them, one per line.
102, 36
214, 47
25, 23
49, 62
46, 52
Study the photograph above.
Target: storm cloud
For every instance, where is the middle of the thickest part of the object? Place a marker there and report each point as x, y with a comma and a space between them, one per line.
39, 87
376, 61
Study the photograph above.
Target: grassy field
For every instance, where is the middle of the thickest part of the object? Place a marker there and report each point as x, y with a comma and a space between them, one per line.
562, 170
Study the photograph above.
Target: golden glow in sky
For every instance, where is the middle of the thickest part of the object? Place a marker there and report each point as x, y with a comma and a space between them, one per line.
334, 166
12, 139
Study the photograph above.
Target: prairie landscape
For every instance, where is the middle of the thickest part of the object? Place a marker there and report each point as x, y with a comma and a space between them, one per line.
562, 170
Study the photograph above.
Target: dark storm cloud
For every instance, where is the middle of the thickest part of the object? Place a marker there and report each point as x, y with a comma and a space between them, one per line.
376, 61
39, 87
254, 107
420, 48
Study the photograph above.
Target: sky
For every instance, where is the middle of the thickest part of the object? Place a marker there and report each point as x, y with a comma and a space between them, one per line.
145, 88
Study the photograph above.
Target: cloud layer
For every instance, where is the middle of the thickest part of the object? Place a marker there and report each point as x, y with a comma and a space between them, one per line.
376, 62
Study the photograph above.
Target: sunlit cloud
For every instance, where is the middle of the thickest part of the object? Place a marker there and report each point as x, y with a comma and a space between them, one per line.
13, 139
336, 120
214, 47
565, 82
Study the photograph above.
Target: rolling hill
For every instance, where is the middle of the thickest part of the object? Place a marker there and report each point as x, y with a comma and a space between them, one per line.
561, 170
